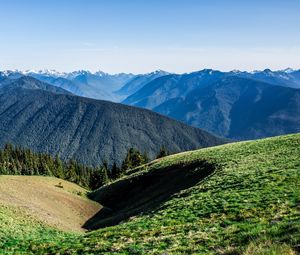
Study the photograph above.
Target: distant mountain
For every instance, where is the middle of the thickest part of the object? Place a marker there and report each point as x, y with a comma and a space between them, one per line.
98, 85
296, 75
171, 86
205, 99
46, 119
27, 82
227, 104
117, 87
286, 78
138, 82
10, 74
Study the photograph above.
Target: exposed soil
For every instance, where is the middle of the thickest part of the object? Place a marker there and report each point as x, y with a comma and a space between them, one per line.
56, 202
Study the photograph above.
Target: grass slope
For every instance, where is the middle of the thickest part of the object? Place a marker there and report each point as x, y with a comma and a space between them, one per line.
249, 205
56, 202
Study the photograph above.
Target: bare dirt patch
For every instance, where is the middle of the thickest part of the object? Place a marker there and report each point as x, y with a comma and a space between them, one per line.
58, 203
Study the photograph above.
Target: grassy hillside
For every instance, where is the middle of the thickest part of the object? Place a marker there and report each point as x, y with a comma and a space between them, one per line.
248, 205
55, 202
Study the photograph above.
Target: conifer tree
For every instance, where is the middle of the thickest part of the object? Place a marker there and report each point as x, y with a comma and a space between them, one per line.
133, 159
59, 171
162, 152
116, 172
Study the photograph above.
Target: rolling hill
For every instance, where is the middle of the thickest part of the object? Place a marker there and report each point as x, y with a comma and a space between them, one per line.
87, 130
227, 104
239, 198
52, 201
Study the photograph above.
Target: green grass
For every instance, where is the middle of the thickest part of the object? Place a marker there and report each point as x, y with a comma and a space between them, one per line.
269, 248
251, 202
19, 231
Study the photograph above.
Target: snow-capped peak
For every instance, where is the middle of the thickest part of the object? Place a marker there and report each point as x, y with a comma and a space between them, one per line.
9, 72
100, 73
46, 72
79, 72
158, 71
288, 70
236, 71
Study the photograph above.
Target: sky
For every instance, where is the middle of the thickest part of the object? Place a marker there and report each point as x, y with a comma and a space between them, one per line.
140, 36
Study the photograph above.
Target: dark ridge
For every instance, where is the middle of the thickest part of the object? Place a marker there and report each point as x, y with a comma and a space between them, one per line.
89, 130
27, 82
144, 193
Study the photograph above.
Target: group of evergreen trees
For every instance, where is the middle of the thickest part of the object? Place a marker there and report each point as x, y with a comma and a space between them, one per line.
162, 152
15, 160
20, 161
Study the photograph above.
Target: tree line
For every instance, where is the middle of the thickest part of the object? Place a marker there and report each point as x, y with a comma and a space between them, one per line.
15, 160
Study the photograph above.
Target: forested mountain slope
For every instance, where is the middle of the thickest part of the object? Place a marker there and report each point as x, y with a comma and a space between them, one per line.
88, 130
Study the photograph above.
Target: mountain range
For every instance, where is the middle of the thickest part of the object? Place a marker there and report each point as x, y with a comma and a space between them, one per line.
98, 85
138, 82
236, 104
45, 118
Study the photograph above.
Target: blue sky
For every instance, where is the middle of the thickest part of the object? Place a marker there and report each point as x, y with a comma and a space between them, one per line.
143, 35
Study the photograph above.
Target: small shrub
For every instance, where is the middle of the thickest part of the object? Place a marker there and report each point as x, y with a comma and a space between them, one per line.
59, 185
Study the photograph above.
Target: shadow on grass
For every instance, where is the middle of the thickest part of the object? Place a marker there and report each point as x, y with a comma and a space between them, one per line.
144, 193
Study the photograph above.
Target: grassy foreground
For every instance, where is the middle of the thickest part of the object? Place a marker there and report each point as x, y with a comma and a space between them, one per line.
250, 205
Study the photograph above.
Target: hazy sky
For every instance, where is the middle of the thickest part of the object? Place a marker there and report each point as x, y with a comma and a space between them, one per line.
144, 35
